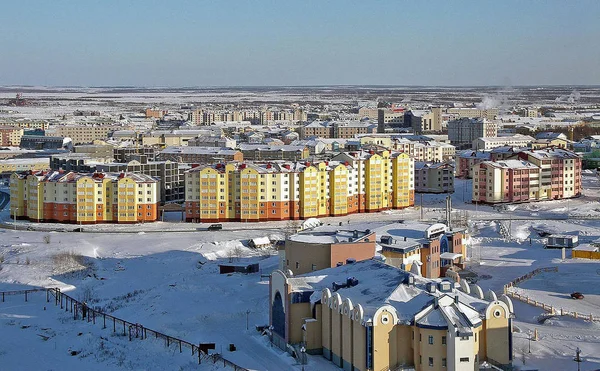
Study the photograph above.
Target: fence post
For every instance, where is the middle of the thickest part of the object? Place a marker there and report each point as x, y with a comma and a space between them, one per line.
168, 343
179, 346
123, 328
114, 325
3, 297
94, 316
199, 357
47, 297
25, 295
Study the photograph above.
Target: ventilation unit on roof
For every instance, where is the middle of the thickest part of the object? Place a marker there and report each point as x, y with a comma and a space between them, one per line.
445, 286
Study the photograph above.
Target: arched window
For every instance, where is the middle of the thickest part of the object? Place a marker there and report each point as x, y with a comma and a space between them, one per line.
278, 315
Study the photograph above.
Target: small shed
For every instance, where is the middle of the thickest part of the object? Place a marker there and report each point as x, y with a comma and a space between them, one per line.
260, 242
558, 241
238, 268
586, 251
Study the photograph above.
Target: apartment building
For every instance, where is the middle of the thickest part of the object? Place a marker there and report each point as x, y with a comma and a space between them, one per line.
372, 113
95, 150
460, 112
434, 177
155, 113
263, 152
534, 175
336, 129
427, 151
350, 183
560, 171
85, 134
199, 155
26, 124
126, 154
10, 136
206, 141
518, 140
462, 132
372, 316
166, 138
84, 198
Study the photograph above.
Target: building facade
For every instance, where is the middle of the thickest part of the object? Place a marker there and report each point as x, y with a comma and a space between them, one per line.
83, 198
200, 155
434, 177
10, 136
462, 132
371, 316
350, 183
517, 140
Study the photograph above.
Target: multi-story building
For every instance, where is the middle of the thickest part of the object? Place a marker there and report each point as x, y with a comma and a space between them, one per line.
180, 137
424, 121
200, 155
464, 131
534, 176
84, 198
155, 113
10, 135
319, 129
518, 140
45, 142
26, 124
560, 171
205, 141
95, 150
434, 177
263, 152
85, 134
465, 161
324, 247
337, 129
372, 316
372, 113
489, 114
427, 151
75, 162
390, 120
350, 183
426, 250
126, 154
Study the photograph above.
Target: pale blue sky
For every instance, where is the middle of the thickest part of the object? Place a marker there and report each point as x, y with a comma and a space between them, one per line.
279, 42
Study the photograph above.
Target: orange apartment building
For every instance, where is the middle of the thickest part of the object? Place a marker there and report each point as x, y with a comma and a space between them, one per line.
83, 198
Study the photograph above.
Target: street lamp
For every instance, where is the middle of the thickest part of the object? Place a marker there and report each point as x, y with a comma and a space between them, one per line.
271, 335
578, 358
529, 333
302, 355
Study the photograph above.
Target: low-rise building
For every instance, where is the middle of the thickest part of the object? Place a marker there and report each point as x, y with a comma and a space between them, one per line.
83, 198
372, 316
23, 164
85, 134
219, 142
487, 143
323, 247
434, 177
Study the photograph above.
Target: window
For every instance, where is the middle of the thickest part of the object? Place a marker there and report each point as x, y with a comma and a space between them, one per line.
420, 359
443, 340
314, 267
443, 362
420, 337
430, 339
430, 361
464, 359
297, 265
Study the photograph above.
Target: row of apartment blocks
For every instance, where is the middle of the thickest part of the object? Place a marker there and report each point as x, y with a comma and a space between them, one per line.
201, 117
349, 183
91, 198
531, 175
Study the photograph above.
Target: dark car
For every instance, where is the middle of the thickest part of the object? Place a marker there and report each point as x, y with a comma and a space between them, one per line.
215, 227
577, 295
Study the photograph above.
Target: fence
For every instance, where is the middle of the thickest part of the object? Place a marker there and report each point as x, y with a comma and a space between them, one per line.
133, 330
509, 291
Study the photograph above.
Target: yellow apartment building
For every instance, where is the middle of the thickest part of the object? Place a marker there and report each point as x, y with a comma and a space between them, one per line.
350, 183
68, 197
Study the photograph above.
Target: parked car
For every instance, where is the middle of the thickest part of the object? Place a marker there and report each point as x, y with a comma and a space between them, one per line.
215, 227
577, 295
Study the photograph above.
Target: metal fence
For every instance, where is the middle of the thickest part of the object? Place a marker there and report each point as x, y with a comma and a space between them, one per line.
132, 330
509, 290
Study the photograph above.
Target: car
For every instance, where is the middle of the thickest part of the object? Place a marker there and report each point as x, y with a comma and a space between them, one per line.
80, 229
215, 227
577, 295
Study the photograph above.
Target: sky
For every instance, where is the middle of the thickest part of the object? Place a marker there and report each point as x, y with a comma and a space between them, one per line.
266, 43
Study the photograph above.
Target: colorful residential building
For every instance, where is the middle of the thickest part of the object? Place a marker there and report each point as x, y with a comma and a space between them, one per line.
280, 190
83, 198
532, 175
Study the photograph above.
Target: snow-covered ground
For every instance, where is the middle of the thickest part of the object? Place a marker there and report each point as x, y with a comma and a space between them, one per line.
165, 276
